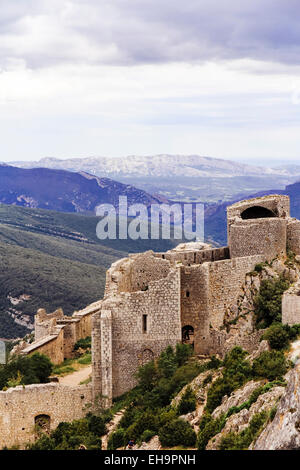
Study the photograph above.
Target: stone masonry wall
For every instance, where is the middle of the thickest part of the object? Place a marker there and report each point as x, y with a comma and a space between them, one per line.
207, 292
293, 236
131, 344
226, 279
19, 406
258, 236
291, 306
52, 346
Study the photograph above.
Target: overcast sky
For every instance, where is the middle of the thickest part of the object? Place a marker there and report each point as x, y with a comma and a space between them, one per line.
110, 78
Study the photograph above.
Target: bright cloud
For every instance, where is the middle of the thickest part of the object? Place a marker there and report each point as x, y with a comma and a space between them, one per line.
82, 77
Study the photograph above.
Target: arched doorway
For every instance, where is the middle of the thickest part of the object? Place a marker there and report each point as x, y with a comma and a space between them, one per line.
147, 356
188, 335
42, 424
257, 212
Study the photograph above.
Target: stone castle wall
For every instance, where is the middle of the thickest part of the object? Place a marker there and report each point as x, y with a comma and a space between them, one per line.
20, 406
259, 236
291, 306
293, 236
207, 292
51, 345
139, 325
56, 334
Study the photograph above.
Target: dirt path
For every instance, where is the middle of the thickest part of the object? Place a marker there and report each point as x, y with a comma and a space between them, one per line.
111, 426
76, 377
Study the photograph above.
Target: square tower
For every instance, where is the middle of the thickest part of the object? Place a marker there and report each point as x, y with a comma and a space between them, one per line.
259, 227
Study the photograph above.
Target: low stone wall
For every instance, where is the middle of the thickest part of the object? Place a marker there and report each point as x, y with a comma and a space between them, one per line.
20, 406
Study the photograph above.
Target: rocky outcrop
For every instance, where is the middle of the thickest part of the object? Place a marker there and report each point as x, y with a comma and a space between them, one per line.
240, 421
237, 397
200, 386
283, 433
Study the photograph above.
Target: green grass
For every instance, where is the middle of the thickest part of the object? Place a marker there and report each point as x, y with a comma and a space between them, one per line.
71, 365
86, 359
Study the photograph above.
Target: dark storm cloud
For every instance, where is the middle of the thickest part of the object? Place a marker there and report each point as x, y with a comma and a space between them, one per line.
128, 32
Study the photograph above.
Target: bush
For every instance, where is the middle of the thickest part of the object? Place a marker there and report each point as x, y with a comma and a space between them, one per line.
235, 373
144, 421
177, 432
277, 336
147, 435
116, 439
147, 376
268, 302
208, 428
167, 363
96, 424
270, 365
242, 440
83, 343
259, 267
26, 370
187, 403
69, 436
182, 353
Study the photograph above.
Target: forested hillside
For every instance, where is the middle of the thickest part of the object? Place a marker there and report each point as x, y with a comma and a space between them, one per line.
52, 259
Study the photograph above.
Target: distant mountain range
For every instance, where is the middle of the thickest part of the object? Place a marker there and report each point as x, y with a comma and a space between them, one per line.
179, 177
65, 191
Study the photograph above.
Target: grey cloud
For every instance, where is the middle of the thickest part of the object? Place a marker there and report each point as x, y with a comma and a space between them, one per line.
129, 32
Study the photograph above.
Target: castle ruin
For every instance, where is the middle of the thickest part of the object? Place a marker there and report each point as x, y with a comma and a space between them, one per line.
153, 300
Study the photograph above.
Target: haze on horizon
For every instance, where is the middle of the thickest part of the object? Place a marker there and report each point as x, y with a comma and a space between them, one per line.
83, 78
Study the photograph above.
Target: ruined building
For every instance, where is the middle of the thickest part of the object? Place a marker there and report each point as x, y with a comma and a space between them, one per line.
55, 334
154, 300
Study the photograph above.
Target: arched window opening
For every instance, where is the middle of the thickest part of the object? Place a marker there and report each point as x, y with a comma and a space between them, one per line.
42, 424
257, 212
147, 356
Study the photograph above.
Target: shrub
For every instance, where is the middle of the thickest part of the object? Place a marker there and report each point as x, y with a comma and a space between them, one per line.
167, 363
259, 267
26, 370
147, 435
270, 365
267, 303
182, 353
69, 436
177, 432
146, 420
83, 343
208, 428
242, 440
147, 376
187, 403
116, 439
235, 373
96, 424
277, 336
